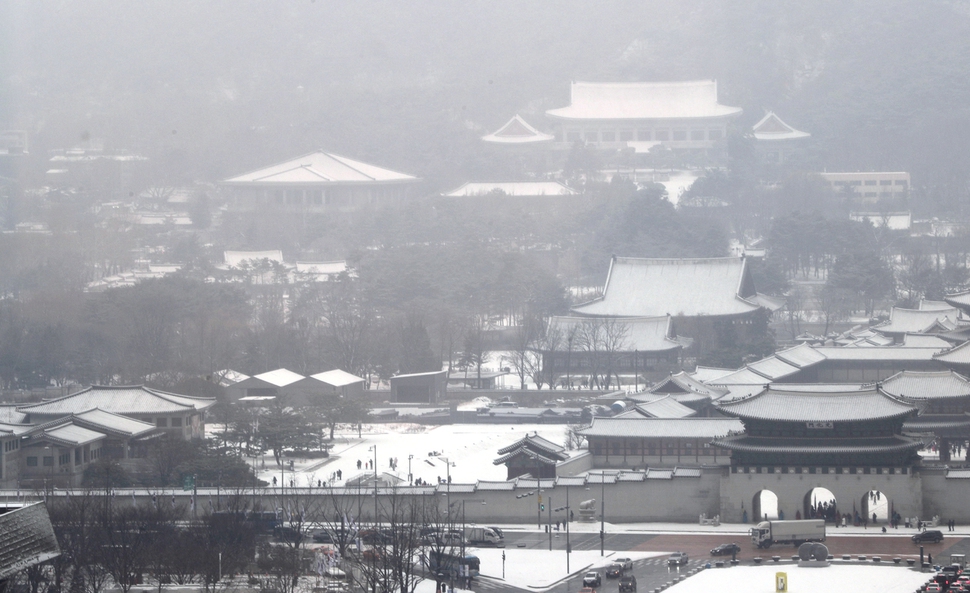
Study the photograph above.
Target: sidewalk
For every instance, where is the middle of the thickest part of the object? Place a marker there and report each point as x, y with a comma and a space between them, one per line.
729, 528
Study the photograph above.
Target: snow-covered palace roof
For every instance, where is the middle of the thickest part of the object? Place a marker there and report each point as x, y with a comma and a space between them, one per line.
638, 287
319, 168
692, 99
771, 127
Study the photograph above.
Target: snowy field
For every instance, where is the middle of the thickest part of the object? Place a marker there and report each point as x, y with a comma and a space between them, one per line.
680, 182
830, 579
470, 448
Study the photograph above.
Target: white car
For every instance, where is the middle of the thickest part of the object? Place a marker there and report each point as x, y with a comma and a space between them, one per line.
677, 559
626, 562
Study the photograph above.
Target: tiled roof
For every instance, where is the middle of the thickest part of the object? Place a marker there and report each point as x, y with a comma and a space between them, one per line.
887, 353
917, 321
771, 127
709, 374
956, 355
115, 423
744, 376
337, 378
522, 189
926, 385
749, 444
958, 299
927, 305
69, 434
638, 287
800, 356
493, 485
319, 168
234, 259
791, 406
127, 400
644, 100
936, 422
687, 384
773, 368
683, 398
688, 428
28, 539
645, 334
517, 131
229, 377
925, 341
665, 407
535, 442
9, 414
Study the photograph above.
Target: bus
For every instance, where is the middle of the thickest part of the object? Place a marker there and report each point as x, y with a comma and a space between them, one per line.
453, 564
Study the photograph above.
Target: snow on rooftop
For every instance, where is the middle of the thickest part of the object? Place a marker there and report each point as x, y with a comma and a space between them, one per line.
644, 100
512, 188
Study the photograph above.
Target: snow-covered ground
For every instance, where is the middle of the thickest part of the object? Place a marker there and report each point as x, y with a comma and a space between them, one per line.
538, 570
829, 579
679, 182
470, 448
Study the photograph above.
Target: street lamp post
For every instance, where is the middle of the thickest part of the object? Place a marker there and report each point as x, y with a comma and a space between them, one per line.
374, 449
567, 509
448, 485
602, 513
410, 475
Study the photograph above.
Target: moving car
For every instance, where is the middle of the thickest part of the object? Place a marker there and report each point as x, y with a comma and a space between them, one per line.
677, 559
628, 584
626, 562
726, 549
613, 571
933, 535
592, 580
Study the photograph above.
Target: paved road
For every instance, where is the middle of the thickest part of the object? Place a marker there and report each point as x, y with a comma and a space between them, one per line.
653, 572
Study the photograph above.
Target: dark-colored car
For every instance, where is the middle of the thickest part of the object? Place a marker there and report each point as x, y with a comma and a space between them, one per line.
324, 536
726, 549
287, 534
592, 580
677, 559
933, 535
628, 584
613, 571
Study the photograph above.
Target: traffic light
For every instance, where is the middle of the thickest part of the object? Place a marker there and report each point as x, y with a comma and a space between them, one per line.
542, 507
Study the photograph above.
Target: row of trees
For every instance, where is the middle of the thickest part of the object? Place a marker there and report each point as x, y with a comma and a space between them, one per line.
381, 544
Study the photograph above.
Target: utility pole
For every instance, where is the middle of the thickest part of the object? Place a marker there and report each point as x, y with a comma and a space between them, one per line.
602, 513
550, 523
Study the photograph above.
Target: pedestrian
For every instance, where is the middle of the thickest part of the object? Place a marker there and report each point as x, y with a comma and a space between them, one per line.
358, 464
274, 480
340, 474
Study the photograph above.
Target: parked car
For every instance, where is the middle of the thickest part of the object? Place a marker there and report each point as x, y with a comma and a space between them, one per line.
592, 580
626, 562
677, 559
324, 536
932, 535
613, 571
726, 549
628, 584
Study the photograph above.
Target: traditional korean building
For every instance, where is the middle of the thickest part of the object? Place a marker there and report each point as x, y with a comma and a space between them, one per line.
180, 416
531, 455
28, 540
846, 446
708, 298
638, 441
777, 141
944, 398
684, 389
319, 182
588, 349
932, 320
517, 132
836, 430
638, 115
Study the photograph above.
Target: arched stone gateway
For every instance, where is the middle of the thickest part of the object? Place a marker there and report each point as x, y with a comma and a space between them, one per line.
820, 503
876, 507
764, 506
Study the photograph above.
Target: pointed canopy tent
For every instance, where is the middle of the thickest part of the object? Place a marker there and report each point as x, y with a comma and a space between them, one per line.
517, 131
771, 127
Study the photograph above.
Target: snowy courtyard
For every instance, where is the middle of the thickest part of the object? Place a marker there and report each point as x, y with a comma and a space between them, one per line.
830, 579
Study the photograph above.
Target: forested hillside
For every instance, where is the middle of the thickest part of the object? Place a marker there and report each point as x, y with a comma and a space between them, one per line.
213, 88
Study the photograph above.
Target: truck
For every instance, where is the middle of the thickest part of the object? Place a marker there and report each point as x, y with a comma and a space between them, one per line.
768, 533
483, 536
